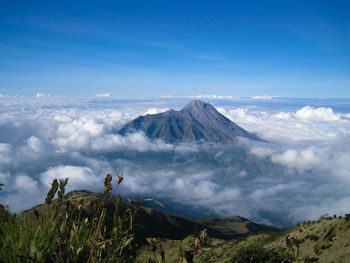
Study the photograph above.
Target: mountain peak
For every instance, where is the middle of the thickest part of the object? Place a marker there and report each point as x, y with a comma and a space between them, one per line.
197, 121
196, 104
198, 107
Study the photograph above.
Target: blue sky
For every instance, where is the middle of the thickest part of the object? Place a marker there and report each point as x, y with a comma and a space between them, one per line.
179, 48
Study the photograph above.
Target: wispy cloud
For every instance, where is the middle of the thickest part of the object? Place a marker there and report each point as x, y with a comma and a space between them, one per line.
155, 110
41, 95
263, 97
103, 95
204, 96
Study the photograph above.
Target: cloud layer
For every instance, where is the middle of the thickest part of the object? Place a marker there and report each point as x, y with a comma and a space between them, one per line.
300, 171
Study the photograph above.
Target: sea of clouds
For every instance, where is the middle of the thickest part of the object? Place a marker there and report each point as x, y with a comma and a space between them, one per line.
43, 138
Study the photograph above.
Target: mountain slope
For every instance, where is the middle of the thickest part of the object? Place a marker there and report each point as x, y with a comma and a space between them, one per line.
197, 121
235, 226
308, 235
153, 223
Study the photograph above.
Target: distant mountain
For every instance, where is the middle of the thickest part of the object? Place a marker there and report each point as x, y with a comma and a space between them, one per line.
235, 226
197, 121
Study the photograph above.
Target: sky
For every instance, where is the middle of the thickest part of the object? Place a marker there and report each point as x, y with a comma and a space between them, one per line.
141, 49
74, 72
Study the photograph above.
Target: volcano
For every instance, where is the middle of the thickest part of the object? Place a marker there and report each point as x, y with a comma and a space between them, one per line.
197, 121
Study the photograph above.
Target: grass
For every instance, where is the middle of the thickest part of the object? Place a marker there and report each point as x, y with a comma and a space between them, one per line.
270, 247
60, 231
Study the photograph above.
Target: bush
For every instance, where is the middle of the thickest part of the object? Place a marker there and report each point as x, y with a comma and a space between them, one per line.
256, 253
61, 233
347, 217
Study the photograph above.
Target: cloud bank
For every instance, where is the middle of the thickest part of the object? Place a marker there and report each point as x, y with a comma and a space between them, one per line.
305, 156
203, 96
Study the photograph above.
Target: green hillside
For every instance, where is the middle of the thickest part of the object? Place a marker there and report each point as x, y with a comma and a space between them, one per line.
227, 236
235, 226
150, 222
308, 235
82, 226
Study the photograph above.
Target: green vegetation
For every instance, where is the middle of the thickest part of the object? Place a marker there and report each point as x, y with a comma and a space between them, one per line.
84, 227
61, 232
235, 226
257, 253
326, 240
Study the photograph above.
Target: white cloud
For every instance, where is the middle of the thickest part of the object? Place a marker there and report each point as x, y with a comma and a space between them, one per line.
204, 96
263, 97
8, 96
5, 179
308, 139
191, 187
41, 95
35, 144
62, 118
6, 154
207, 96
135, 141
44, 139
79, 177
155, 111
26, 184
78, 134
306, 123
88, 135
243, 173
20, 191
318, 114
301, 160
103, 95
272, 191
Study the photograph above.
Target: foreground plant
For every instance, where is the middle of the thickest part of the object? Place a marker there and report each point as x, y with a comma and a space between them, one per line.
257, 253
157, 248
199, 240
63, 232
184, 255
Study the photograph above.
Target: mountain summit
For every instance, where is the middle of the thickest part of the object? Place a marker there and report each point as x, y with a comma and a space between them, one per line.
197, 121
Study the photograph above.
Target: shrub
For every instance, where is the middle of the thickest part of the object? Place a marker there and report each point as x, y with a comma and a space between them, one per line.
347, 217
61, 232
256, 253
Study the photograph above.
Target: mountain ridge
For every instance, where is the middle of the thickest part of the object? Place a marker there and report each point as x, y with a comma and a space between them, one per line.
152, 222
